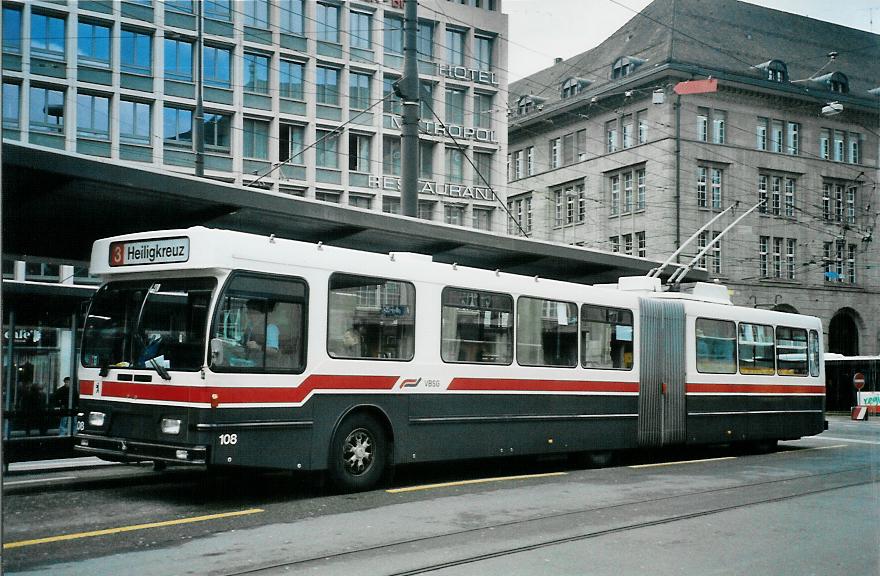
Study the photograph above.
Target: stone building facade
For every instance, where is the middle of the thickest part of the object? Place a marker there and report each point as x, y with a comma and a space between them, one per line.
609, 150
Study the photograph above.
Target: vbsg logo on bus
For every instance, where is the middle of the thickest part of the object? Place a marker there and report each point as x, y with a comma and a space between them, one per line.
164, 251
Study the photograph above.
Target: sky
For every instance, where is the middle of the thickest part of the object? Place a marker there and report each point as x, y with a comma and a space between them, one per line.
541, 30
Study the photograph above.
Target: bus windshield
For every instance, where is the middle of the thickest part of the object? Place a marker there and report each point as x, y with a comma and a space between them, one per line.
148, 324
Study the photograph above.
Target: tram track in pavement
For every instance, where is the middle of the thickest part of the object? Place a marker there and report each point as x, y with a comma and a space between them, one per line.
866, 474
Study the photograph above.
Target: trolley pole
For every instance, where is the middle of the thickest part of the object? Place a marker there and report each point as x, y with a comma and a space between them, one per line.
408, 90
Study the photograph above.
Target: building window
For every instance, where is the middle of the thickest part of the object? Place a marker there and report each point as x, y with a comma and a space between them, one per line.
256, 139
790, 254
93, 116
93, 43
627, 244
482, 53
391, 155
455, 106
839, 146
854, 148
482, 218
776, 137
763, 256
640, 197
482, 169
426, 101
393, 35
642, 245
359, 201
390, 105
46, 110
390, 205
327, 149
358, 91
627, 192
359, 152
219, 9
327, 196
218, 129
482, 110
642, 121
136, 52
851, 205
789, 197
709, 197
839, 261
426, 159
11, 105
256, 13
327, 25
185, 6
825, 144
793, 139
777, 257
454, 165
762, 193
290, 143
291, 15
555, 157
718, 126
455, 47
327, 85
47, 35
454, 214
570, 203
711, 261
360, 30
614, 243
776, 196
530, 161
426, 210
611, 136
703, 124
827, 212
290, 80
12, 30
217, 66
762, 133
627, 130
615, 194
425, 41
178, 60
177, 126
256, 73
520, 214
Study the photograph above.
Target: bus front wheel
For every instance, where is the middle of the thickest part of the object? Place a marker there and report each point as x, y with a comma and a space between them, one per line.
358, 454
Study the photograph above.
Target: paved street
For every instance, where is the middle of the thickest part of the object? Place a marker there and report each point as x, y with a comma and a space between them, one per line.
809, 508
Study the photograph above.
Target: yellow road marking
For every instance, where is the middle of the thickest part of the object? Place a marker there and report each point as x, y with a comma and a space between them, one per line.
477, 481
62, 537
683, 462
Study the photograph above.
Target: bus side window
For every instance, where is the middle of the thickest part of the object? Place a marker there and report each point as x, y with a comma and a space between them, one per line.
607, 337
370, 318
716, 346
476, 327
814, 353
260, 325
756, 349
791, 351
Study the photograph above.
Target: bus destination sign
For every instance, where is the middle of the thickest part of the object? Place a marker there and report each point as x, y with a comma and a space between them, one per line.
139, 252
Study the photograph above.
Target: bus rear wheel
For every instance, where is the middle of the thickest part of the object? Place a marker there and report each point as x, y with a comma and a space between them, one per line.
358, 454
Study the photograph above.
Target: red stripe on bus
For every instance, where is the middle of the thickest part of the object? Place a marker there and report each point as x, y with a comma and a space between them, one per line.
511, 385
755, 389
237, 395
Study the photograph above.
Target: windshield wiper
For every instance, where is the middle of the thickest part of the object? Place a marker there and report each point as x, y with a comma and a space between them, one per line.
163, 372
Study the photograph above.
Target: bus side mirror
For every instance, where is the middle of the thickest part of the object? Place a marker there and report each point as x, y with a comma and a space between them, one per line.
217, 347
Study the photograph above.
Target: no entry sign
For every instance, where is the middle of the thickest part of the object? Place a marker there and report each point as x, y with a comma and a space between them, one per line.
859, 380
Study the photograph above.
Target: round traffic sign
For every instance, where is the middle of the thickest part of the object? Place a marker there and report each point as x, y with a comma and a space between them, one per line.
858, 380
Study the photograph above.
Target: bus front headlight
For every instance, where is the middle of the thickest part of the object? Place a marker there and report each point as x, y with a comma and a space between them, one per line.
170, 426
96, 419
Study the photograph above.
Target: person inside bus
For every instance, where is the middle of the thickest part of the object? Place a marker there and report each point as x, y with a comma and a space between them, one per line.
258, 336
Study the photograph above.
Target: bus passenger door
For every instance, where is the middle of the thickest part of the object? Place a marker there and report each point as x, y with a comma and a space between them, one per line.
662, 403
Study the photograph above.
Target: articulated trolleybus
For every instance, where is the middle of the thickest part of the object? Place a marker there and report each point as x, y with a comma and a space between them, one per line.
219, 348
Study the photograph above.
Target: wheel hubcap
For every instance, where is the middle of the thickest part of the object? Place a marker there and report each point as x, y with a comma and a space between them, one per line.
357, 452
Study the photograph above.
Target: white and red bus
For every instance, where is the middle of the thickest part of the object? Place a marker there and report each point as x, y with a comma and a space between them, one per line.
220, 348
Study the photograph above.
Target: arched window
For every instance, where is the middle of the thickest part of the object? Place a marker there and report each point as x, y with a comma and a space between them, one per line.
833, 82
573, 86
774, 70
529, 103
624, 66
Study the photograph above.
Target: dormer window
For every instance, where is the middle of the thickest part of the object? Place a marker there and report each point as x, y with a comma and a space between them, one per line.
774, 70
573, 86
625, 66
834, 82
529, 103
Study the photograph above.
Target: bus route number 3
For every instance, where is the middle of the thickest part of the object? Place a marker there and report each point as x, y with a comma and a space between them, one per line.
228, 439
